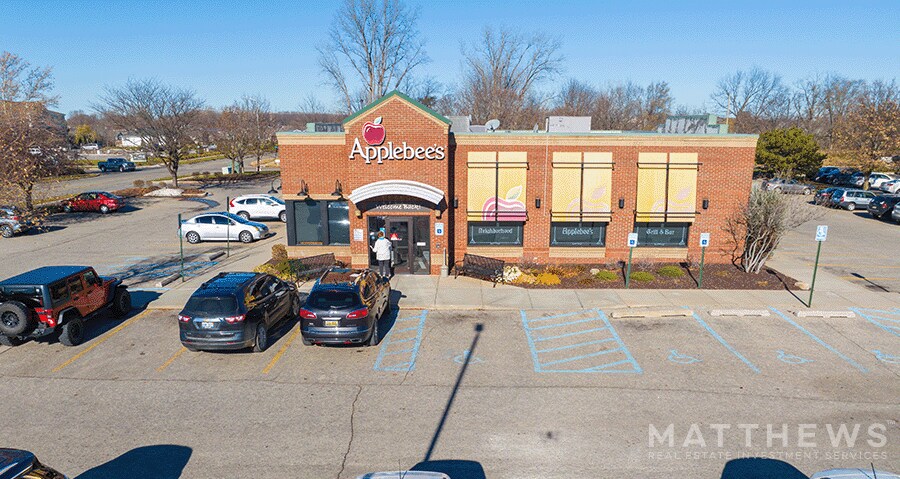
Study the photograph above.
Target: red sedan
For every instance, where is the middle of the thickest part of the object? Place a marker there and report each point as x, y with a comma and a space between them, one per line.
94, 201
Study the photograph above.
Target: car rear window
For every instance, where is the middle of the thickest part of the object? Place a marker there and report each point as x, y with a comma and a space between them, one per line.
213, 306
333, 299
30, 295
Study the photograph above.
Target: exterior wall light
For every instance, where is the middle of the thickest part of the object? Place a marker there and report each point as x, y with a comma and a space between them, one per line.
304, 189
456, 202
537, 202
705, 203
358, 214
338, 190
621, 203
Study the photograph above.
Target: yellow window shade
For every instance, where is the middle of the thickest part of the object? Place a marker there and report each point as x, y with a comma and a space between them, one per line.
566, 196
651, 195
597, 189
481, 183
511, 187
682, 195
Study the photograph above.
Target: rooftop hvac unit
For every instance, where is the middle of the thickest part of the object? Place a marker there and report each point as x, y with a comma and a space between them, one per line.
569, 124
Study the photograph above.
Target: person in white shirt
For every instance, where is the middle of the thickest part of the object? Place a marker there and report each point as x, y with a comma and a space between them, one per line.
382, 249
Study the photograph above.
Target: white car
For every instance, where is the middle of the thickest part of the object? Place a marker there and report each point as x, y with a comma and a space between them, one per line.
878, 179
221, 227
853, 474
892, 186
258, 206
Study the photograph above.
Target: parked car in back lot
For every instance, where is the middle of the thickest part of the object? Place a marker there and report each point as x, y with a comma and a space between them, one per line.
895, 213
12, 222
94, 201
57, 299
258, 207
236, 311
882, 205
826, 172
787, 186
892, 186
115, 164
823, 196
345, 307
878, 179
222, 226
852, 199
19, 464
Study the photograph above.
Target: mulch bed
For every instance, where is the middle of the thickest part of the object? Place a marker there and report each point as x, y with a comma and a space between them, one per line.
715, 276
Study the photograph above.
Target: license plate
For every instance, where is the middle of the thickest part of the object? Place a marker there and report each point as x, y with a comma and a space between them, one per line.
331, 324
207, 325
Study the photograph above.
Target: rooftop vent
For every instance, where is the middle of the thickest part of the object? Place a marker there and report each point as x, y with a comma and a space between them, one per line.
693, 125
569, 124
324, 127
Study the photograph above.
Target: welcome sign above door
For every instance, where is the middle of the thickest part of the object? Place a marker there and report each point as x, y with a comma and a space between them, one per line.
373, 133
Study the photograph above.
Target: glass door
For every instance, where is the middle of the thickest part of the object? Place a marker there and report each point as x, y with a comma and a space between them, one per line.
399, 230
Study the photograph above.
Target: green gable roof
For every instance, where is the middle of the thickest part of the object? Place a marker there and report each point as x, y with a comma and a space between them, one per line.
388, 96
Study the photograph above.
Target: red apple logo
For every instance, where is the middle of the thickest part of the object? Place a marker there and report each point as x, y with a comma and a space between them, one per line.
509, 208
373, 132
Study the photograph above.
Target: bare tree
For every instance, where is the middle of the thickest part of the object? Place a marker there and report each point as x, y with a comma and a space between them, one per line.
501, 71
840, 94
163, 116
19, 81
264, 127
871, 129
372, 48
756, 99
576, 99
236, 134
32, 147
757, 229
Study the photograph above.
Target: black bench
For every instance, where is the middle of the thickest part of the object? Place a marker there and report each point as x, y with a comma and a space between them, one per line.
489, 269
307, 268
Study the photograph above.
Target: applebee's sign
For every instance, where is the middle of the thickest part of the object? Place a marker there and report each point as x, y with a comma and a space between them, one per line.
373, 134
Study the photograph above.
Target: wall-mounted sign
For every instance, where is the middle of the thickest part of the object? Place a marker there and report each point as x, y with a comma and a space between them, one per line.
391, 207
439, 229
373, 134
357, 234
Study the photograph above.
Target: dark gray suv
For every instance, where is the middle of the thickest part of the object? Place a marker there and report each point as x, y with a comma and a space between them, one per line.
345, 307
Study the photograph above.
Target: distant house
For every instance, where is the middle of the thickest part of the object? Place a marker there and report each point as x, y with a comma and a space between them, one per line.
128, 140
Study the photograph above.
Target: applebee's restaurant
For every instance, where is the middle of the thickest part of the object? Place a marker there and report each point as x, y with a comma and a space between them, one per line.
441, 187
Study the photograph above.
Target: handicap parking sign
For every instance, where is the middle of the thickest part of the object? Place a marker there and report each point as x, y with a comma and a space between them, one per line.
821, 232
439, 229
632, 240
704, 240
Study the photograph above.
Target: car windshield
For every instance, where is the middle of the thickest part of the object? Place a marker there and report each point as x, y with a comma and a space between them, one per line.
277, 200
235, 217
211, 306
333, 299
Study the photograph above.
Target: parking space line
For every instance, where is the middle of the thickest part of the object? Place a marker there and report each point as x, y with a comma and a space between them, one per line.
392, 338
543, 362
280, 353
821, 342
881, 322
100, 341
171, 360
724, 343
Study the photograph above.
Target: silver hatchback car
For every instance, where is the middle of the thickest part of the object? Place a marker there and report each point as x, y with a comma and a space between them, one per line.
852, 199
221, 227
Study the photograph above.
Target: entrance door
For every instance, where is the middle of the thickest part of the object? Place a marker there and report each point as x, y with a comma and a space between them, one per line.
399, 231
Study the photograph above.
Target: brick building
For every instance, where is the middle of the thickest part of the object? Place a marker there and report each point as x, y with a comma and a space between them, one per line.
541, 196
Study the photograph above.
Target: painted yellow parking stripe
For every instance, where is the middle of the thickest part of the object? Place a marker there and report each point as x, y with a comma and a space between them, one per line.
100, 341
171, 360
281, 351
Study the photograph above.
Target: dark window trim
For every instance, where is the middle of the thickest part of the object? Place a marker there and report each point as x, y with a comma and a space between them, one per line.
576, 224
681, 224
323, 215
519, 224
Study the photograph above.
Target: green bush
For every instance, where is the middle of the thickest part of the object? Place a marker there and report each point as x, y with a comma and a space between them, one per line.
606, 275
670, 271
642, 276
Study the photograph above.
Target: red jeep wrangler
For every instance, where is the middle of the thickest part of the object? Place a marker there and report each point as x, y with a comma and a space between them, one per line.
56, 298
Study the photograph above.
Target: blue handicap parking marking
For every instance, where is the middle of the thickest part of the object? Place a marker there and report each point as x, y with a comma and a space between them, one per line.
887, 321
400, 347
577, 342
679, 358
791, 358
833, 350
725, 344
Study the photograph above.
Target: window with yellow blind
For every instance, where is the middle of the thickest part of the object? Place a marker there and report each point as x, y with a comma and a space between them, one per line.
496, 186
667, 187
582, 187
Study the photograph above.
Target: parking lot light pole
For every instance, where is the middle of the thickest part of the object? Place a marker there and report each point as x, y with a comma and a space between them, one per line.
181, 246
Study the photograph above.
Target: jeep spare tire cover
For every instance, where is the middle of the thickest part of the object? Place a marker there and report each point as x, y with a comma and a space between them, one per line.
15, 319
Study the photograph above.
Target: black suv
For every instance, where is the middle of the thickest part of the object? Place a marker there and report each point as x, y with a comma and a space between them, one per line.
57, 299
236, 311
881, 206
344, 307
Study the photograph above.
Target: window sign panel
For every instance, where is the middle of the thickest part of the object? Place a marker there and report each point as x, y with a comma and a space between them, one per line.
319, 223
662, 234
338, 222
577, 234
495, 233
308, 222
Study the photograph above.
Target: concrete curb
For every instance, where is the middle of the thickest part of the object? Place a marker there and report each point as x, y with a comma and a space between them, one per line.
213, 256
659, 313
740, 313
168, 279
825, 314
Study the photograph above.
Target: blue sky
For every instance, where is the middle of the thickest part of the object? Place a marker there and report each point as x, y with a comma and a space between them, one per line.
224, 49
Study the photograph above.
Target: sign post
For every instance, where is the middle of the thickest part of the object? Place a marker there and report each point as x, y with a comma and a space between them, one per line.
704, 242
228, 229
181, 246
821, 235
632, 242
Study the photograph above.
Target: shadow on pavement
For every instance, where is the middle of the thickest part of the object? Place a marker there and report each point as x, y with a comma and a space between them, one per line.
456, 469
163, 461
760, 468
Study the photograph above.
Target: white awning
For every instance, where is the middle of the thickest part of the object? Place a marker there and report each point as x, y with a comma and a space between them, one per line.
397, 187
